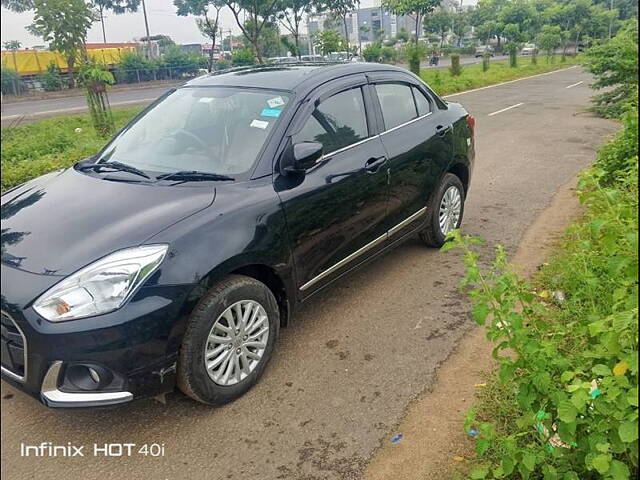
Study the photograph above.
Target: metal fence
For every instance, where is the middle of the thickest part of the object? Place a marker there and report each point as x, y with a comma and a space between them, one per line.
58, 82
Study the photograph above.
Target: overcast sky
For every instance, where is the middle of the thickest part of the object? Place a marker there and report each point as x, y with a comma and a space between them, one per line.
124, 28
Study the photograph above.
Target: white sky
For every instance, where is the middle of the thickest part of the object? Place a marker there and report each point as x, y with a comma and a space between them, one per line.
123, 28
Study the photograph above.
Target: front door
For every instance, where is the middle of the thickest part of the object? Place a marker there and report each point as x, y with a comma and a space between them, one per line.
336, 214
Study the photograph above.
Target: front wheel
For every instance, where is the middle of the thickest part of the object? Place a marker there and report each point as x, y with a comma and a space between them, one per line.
228, 341
445, 211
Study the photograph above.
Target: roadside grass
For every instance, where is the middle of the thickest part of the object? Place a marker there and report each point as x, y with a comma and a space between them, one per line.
37, 148
563, 403
443, 83
34, 149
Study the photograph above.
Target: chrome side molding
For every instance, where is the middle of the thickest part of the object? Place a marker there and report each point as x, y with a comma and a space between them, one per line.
366, 248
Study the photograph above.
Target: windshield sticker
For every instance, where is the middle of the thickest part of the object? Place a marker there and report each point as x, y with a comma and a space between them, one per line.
275, 102
205, 99
270, 112
259, 124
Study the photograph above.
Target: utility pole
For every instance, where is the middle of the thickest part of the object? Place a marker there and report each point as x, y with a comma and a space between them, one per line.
610, 20
146, 26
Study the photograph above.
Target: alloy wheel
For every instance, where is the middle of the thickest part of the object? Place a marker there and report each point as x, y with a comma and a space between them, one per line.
236, 342
450, 209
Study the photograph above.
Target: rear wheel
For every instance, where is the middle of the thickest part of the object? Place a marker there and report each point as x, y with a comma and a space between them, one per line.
444, 211
229, 340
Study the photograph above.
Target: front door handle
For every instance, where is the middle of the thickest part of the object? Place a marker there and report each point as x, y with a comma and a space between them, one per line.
442, 130
373, 164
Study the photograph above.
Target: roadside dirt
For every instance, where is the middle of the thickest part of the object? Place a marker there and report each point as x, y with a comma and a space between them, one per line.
433, 443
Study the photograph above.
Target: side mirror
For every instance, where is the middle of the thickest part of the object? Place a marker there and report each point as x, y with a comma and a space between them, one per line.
300, 157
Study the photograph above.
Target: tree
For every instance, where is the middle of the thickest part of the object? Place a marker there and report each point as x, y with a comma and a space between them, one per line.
208, 13
290, 13
18, 6
549, 39
64, 24
439, 24
416, 8
258, 13
329, 41
340, 9
614, 64
12, 45
460, 25
116, 6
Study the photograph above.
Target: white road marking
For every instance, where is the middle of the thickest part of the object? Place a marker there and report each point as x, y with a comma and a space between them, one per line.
505, 109
574, 85
510, 81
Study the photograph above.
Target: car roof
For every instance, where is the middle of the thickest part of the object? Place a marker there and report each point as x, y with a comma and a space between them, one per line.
295, 77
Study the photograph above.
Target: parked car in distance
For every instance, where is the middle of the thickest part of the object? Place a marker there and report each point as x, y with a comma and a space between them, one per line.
339, 56
312, 58
485, 49
176, 253
529, 49
281, 60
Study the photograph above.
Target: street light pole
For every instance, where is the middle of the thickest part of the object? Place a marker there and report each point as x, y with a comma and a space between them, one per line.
146, 26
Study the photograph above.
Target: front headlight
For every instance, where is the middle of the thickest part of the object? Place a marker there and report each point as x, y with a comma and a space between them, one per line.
102, 286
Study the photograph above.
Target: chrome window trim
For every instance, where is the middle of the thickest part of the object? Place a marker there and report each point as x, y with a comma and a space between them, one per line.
405, 123
8, 372
327, 156
366, 248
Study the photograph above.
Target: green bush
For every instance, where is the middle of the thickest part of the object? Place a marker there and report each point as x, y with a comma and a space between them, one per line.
372, 52
51, 81
568, 347
389, 54
179, 62
486, 62
615, 66
455, 69
243, 56
134, 67
617, 158
11, 82
415, 52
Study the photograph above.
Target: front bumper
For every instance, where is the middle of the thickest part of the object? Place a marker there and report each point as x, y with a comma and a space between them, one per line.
132, 352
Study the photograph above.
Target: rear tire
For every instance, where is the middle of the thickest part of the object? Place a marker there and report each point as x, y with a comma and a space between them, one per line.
435, 231
216, 330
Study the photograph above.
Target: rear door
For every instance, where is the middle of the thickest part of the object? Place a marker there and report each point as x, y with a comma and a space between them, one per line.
418, 142
336, 213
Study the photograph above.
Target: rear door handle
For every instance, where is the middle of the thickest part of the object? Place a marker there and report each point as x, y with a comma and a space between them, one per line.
442, 130
373, 164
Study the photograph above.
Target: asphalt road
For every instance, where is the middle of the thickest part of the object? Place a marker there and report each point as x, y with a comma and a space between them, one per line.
358, 353
32, 109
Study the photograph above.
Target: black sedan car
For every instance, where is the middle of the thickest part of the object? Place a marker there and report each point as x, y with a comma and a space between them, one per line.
175, 255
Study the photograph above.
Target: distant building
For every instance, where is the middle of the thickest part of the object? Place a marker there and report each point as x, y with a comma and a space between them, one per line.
365, 25
192, 48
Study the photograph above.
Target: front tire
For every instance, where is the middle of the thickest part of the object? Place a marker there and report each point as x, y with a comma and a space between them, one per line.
445, 211
229, 340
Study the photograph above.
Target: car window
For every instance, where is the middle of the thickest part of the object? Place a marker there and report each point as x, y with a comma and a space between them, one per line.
337, 122
210, 129
396, 101
422, 102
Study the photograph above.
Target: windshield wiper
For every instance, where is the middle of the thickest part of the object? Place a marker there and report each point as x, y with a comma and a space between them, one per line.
194, 176
114, 166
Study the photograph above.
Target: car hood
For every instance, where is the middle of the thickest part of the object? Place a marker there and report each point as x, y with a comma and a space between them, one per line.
65, 220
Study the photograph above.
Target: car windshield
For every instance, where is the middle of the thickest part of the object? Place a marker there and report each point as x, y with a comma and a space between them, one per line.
206, 129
